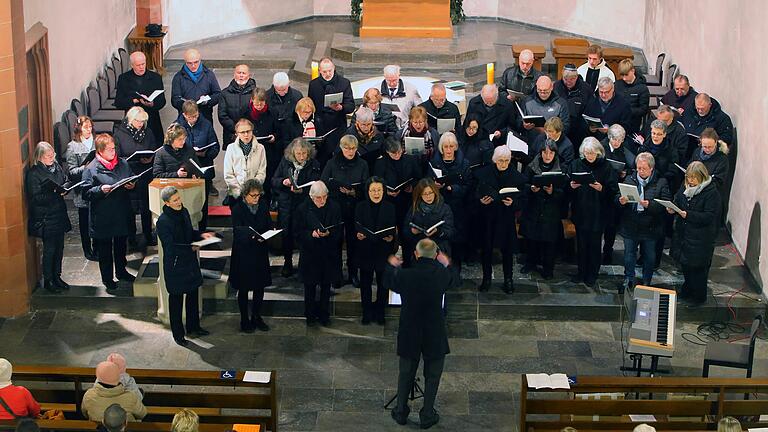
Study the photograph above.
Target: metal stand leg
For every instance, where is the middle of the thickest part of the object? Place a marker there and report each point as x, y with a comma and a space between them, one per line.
416, 393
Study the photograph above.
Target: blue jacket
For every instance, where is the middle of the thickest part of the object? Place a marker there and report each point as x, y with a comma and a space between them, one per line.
183, 88
200, 135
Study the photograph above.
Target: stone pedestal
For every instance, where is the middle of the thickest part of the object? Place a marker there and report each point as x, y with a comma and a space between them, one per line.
192, 193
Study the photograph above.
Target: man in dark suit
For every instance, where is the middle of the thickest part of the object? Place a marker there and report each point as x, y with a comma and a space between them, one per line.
422, 331
333, 117
140, 81
497, 116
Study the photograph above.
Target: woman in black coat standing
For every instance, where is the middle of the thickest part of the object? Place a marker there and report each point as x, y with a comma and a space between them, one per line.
371, 217
264, 122
181, 268
48, 219
696, 227
111, 214
318, 233
396, 168
497, 214
615, 150
304, 123
427, 209
297, 168
345, 173
249, 266
369, 140
591, 202
540, 220
476, 148
713, 153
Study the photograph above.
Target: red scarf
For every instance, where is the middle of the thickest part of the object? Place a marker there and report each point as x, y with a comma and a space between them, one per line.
110, 165
256, 113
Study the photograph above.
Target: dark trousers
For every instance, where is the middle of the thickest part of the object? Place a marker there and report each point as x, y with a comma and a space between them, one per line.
256, 301
695, 283
287, 244
111, 252
204, 219
350, 240
541, 252
371, 309
609, 237
53, 254
630, 258
175, 303
433, 370
314, 308
507, 262
588, 260
83, 218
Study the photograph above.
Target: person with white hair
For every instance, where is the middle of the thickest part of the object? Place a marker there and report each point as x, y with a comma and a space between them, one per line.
609, 107
233, 104
395, 91
369, 139
282, 99
496, 115
197, 83
132, 87
616, 150
520, 78
439, 107
333, 116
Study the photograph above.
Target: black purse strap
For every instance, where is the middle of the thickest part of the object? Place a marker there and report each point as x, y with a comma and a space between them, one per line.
7, 408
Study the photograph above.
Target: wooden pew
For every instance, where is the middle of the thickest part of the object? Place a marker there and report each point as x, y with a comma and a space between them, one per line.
87, 425
63, 388
551, 410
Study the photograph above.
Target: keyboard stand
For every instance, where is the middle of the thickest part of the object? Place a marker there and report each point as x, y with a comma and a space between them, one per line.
637, 364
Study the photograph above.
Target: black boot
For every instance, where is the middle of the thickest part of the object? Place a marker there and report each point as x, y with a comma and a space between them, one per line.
287, 270
508, 286
51, 287
258, 323
485, 285
60, 283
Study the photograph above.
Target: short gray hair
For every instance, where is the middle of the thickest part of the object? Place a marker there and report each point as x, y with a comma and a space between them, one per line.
604, 82
426, 248
364, 114
447, 138
136, 113
647, 157
617, 132
593, 145
391, 70
437, 86
658, 124
317, 189
115, 418
664, 109
644, 428
299, 143
500, 152
567, 73
280, 79
527, 54
167, 192
41, 149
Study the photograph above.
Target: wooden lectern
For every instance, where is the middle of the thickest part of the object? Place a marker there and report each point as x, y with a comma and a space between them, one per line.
192, 193
406, 19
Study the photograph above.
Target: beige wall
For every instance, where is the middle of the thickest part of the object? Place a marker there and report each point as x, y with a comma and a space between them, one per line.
82, 36
721, 47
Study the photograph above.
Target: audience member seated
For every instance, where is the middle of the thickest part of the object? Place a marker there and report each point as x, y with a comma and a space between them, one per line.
573, 89
185, 420
115, 419
707, 113
713, 153
197, 83
520, 78
48, 219
632, 88
681, 96
27, 425
496, 115
233, 104
244, 159
438, 107
543, 103
595, 67
553, 131
282, 100
127, 380
676, 134
395, 91
109, 390
641, 223
476, 147
417, 127
140, 81
77, 151
15, 401
369, 140
728, 424
609, 107
383, 118
333, 117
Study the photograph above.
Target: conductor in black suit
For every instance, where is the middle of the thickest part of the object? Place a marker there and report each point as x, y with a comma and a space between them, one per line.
422, 331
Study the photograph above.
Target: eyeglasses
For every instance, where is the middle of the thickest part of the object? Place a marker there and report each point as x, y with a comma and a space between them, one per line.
245, 132
253, 195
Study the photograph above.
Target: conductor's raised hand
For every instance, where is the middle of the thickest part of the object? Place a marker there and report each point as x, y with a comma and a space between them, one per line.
394, 261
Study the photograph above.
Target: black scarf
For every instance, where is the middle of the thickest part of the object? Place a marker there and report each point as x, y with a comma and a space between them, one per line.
137, 134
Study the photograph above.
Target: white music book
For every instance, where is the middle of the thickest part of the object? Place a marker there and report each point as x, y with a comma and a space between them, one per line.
542, 380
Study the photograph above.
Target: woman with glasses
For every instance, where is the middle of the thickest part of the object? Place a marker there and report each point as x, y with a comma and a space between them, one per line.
383, 118
244, 159
369, 140
77, 152
428, 209
417, 127
249, 266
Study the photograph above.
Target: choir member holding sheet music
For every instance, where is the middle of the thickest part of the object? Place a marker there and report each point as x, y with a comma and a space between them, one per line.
202, 138
197, 83
539, 107
398, 93
110, 215
713, 153
244, 159
476, 147
337, 91
440, 111
418, 127
143, 88
622, 160
305, 124
233, 104
593, 182
77, 154
181, 268
553, 131
385, 121
297, 171
499, 192
136, 144
319, 235
540, 220
345, 175
369, 140
376, 232
577, 93
519, 80
496, 114
282, 100
607, 109
48, 219
265, 131
249, 266
428, 217
400, 172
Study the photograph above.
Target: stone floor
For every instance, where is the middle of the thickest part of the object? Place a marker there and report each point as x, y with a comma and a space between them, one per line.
339, 378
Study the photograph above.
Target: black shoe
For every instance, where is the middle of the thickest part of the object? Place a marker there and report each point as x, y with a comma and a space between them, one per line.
125, 276
400, 418
508, 286
52, 287
259, 324
608, 258
325, 322
485, 285
246, 327
526, 269
430, 421
60, 283
198, 332
110, 285
182, 342
91, 255
366, 319
627, 285
287, 270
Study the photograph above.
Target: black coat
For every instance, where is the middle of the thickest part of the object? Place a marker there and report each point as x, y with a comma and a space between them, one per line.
456, 198
687, 102
445, 232
618, 111
110, 214
345, 171
693, 240
395, 172
540, 219
168, 161
577, 98
331, 119
431, 140
125, 145
284, 107
369, 151
249, 266
294, 129
499, 220
47, 209
621, 154
565, 151
319, 258
477, 149
638, 96
716, 118
649, 223
288, 201
422, 329
266, 125
233, 105
372, 252
448, 110
128, 84
666, 158
592, 209
183, 88
501, 117
676, 136
717, 166
513, 79
180, 266
200, 135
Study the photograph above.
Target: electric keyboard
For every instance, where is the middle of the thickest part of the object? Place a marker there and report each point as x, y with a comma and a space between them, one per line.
653, 321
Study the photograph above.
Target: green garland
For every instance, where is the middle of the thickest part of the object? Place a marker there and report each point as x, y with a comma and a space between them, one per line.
457, 10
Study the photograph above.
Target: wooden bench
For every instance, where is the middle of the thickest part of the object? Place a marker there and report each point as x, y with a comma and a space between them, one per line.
254, 403
90, 426
613, 56
539, 52
552, 410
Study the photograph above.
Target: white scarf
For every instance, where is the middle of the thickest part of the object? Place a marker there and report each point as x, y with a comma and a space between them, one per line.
692, 191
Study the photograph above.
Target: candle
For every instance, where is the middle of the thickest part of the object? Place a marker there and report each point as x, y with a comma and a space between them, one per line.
489, 72
315, 70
